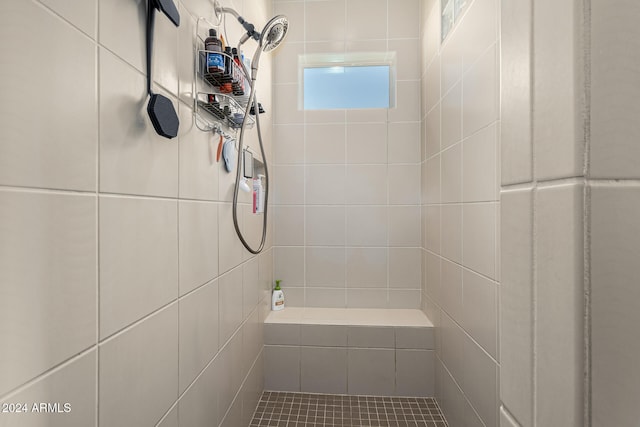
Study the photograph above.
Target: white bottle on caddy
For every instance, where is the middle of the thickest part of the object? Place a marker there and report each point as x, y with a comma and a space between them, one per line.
277, 299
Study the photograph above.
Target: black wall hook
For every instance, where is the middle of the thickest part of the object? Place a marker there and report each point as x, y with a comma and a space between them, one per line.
160, 108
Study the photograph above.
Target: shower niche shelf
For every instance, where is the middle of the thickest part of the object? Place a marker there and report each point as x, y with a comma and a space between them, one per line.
214, 108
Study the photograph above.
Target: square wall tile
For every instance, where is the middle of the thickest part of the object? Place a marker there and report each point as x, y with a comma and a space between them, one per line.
366, 19
198, 323
404, 143
367, 298
371, 337
479, 238
285, 105
481, 93
289, 265
452, 346
231, 253
452, 174
404, 226
451, 57
74, 384
281, 368
451, 124
451, 229
415, 373
481, 22
408, 54
281, 334
366, 267
323, 370
407, 102
138, 380
198, 169
451, 290
325, 266
229, 304
404, 20
198, 244
371, 372
614, 297
431, 181
557, 111
151, 164
198, 406
479, 165
60, 151
516, 303
613, 107
252, 288
405, 298
288, 144
479, 382
367, 184
325, 20
57, 233
515, 92
367, 226
560, 300
285, 62
432, 133
324, 185
138, 259
432, 228
325, 225
405, 268
295, 12
323, 335
367, 143
432, 275
324, 143
289, 225
415, 338
480, 311
289, 185
404, 184
325, 297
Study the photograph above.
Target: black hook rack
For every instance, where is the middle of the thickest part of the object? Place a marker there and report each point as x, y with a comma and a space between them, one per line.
160, 108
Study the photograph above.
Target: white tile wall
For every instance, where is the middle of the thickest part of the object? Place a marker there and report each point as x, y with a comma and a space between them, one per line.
558, 146
57, 148
138, 259
560, 300
460, 204
113, 238
515, 93
138, 376
74, 384
47, 238
516, 304
614, 296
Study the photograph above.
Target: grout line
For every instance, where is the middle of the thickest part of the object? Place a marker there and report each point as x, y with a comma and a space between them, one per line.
52, 370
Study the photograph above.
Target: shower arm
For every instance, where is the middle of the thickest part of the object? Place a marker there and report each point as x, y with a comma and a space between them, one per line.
249, 27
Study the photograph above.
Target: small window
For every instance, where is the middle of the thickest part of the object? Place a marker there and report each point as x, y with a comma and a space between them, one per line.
347, 81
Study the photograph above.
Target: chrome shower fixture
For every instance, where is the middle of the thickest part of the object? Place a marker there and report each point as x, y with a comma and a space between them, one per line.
268, 39
271, 35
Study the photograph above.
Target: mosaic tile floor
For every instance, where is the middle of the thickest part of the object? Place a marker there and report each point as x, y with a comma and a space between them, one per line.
282, 409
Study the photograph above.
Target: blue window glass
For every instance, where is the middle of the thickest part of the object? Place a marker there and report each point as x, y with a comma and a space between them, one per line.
327, 88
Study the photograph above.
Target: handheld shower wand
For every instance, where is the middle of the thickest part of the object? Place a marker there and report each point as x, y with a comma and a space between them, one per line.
268, 39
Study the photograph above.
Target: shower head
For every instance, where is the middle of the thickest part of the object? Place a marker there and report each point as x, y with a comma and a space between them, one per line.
273, 33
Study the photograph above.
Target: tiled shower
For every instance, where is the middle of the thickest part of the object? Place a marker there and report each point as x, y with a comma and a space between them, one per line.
499, 197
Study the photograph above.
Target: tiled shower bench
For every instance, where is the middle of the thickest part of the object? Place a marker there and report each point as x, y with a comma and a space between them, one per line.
376, 352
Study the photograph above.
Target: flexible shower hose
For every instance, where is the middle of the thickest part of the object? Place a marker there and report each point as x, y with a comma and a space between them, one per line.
252, 100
